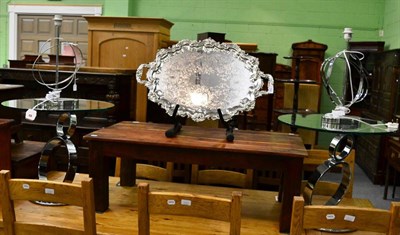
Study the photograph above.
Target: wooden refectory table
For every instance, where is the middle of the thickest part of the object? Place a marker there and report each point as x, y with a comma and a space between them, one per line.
133, 141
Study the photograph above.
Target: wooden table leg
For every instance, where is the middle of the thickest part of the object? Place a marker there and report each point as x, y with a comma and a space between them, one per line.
385, 191
128, 172
98, 170
292, 176
5, 146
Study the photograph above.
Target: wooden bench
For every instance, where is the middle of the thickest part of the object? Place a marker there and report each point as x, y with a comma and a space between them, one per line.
25, 158
25, 154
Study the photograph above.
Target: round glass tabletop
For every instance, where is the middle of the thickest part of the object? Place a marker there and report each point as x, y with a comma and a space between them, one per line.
61, 105
349, 124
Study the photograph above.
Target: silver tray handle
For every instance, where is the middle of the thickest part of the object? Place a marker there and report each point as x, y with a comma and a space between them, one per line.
270, 84
139, 73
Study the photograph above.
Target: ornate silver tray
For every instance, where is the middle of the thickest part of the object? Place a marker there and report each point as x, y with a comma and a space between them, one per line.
204, 79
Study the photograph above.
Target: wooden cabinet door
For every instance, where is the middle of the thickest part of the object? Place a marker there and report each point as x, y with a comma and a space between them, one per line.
121, 50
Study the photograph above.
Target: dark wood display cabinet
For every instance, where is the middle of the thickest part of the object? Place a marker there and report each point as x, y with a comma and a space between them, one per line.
301, 93
367, 48
382, 104
105, 84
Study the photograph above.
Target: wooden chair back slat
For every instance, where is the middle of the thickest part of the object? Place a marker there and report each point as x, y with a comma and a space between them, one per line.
38, 228
310, 217
149, 171
203, 206
222, 177
48, 191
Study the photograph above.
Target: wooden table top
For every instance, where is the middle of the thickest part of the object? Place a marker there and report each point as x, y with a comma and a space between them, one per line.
260, 211
258, 142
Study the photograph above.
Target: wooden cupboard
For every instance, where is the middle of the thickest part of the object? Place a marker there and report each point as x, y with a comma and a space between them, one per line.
126, 42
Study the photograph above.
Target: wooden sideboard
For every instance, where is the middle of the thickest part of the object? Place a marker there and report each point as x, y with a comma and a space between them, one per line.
107, 84
126, 42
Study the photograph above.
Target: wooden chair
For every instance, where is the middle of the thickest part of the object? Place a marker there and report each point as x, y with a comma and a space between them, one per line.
311, 217
325, 188
187, 205
148, 171
318, 156
392, 154
269, 179
49, 191
222, 177
240, 178
308, 102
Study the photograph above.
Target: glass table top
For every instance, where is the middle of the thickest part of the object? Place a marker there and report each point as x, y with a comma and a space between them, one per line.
360, 125
62, 104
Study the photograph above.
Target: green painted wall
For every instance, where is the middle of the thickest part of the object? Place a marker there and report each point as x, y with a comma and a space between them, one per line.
3, 32
273, 24
391, 24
